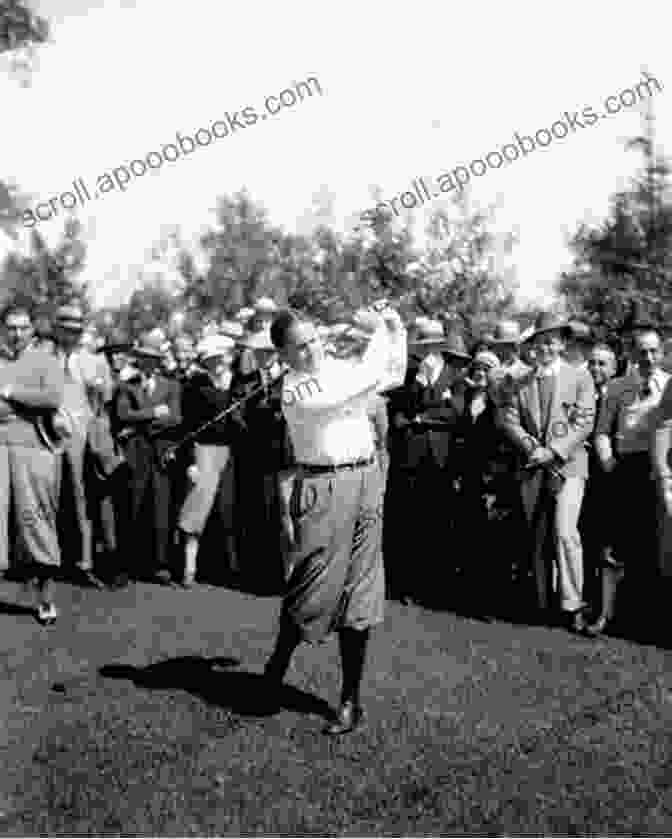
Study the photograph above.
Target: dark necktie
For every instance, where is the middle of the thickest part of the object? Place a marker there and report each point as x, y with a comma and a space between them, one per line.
545, 394
646, 389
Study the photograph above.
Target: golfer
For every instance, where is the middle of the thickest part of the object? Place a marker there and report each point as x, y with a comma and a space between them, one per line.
331, 499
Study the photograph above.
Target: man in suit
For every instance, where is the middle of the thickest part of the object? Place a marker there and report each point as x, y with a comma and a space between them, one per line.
549, 415
84, 372
423, 421
623, 442
148, 413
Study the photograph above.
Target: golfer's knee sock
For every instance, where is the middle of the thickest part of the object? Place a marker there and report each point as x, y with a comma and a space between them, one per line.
353, 643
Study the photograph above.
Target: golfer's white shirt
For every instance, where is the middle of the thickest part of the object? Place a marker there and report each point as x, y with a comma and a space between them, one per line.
328, 418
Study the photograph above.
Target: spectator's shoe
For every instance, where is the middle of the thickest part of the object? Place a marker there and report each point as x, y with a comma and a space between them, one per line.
348, 718
119, 581
46, 615
88, 579
577, 622
162, 577
595, 630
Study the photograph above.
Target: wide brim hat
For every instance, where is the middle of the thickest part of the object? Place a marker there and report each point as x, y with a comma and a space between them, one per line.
260, 340
69, 317
215, 346
428, 332
506, 332
232, 329
143, 351
113, 349
581, 332
151, 345
244, 314
526, 335
456, 347
488, 359
265, 306
549, 322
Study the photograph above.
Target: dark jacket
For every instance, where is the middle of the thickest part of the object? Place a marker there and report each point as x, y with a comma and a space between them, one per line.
202, 401
428, 438
133, 410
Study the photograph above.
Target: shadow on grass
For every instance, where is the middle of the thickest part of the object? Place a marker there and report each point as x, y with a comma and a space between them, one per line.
15, 609
211, 680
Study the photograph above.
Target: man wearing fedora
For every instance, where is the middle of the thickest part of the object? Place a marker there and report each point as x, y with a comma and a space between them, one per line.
423, 419
549, 415
84, 372
147, 413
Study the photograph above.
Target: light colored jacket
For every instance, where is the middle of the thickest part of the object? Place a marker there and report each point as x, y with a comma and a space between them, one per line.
571, 417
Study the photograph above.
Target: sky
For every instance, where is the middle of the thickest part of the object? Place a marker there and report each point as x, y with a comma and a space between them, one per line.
408, 90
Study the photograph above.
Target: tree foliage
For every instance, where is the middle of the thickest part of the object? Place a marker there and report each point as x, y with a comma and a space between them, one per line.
327, 274
627, 256
47, 277
20, 26
21, 30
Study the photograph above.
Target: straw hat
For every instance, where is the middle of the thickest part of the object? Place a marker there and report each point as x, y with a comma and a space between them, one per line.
215, 346
151, 344
244, 314
581, 332
232, 329
70, 317
455, 346
550, 322
429, 331
506, 332
260, 340
265, 306
487, 359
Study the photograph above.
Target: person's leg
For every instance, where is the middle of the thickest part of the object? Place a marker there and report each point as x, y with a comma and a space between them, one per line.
363, 597
35, 480
197, 506
115, 521
569, 553
46, 610
161, 483
75, 455
353, 644
35, 477
5, 504
139, 527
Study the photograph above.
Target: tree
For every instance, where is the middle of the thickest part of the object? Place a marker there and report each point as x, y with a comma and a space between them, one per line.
47, 277
21, 29
455, 274
241, 249
628, 256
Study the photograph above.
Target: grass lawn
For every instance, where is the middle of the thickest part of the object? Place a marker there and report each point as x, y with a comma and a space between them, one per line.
134, 716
